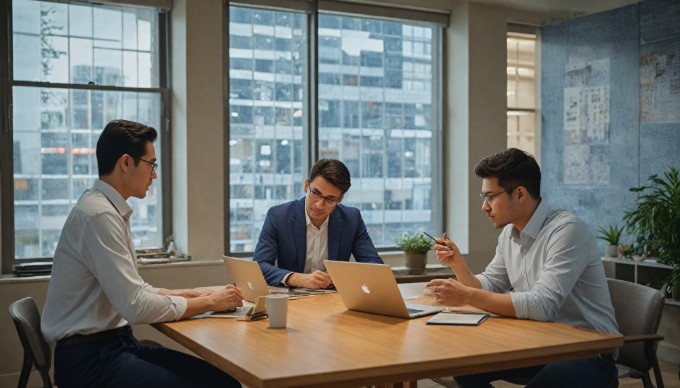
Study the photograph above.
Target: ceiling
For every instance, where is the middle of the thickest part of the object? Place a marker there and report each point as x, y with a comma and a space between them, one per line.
560, 7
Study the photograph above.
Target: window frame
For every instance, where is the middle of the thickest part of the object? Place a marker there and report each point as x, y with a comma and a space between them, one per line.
312, 9
7, 83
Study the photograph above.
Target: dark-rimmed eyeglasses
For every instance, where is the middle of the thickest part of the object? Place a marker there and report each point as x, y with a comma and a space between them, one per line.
316, 196
490, 197
154, 166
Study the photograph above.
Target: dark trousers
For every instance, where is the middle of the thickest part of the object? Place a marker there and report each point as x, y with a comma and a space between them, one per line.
599, 372
123, 362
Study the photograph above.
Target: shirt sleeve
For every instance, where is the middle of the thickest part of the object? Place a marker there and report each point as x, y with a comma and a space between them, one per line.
150, 289
495, 276
284, 280
566, 258
107, 242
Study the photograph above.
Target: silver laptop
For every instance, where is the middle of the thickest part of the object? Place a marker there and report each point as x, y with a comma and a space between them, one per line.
372, 288
247, 276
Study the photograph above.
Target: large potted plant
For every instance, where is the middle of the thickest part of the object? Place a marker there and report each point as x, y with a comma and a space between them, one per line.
611, 234
415, 247
655, 222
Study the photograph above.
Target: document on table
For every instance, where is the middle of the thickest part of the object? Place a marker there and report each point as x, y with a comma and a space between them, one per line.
458, 318
247, 312
300, 292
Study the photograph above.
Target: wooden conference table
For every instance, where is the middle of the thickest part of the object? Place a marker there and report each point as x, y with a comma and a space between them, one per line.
326, 345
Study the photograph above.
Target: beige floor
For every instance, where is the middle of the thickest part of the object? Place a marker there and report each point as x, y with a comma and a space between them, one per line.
669, 373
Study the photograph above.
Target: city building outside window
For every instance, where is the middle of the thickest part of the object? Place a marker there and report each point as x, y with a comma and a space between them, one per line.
375, 107
76, 67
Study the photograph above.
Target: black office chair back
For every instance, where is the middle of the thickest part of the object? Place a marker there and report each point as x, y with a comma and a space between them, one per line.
638, 312
37, 352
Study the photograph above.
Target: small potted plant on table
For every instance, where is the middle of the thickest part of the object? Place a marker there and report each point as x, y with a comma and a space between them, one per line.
415, 247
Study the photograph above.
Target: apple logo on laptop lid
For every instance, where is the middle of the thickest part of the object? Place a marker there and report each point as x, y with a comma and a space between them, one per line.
250, 285
365, 289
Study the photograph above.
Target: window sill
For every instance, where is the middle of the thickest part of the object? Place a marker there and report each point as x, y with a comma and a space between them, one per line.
388, 257
192, 263
11, 278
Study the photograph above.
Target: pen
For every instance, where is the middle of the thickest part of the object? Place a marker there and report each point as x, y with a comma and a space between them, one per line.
434, 239
428, 235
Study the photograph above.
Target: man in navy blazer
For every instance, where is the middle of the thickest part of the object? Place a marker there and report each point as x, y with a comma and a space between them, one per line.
298, 236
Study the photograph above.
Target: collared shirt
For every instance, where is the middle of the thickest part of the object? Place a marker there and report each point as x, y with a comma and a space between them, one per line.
317, 246
553, 272
95, 285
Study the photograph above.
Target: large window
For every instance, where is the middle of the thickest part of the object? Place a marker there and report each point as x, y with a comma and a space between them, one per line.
267, 70
373, 107
522, 131
75, 68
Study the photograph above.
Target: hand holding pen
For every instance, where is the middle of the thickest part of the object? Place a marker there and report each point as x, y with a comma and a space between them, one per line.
447, 250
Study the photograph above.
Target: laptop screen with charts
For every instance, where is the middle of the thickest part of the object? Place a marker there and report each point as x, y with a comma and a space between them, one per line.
372, 288
247, 276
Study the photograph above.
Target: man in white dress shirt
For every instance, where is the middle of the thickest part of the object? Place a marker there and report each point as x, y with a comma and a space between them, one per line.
95, 291
547, 267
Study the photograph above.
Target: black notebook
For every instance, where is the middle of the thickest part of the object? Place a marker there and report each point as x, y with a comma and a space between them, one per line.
458, 318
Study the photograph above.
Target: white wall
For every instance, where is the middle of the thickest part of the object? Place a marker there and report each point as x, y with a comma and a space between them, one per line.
198, 128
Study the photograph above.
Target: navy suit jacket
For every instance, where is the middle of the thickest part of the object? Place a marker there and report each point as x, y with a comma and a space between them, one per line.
282, 246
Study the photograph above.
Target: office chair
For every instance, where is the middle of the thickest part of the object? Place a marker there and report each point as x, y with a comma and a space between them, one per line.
26, 318
638, 312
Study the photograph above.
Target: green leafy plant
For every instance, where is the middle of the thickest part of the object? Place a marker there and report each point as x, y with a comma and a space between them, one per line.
655, 222
626, 250
413, 242
611, 234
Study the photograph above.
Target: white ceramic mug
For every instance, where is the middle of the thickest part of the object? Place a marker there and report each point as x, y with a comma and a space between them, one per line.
277, 310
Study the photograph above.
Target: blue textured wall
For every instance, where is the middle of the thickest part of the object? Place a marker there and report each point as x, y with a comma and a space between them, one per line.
635, 146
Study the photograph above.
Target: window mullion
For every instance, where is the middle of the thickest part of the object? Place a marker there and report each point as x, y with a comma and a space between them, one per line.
6, 143
313, 89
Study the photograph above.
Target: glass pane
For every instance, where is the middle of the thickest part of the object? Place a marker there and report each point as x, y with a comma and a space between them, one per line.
375, 114
521, 70
521, 91
521, 131
266, 68
55, 136
114, 46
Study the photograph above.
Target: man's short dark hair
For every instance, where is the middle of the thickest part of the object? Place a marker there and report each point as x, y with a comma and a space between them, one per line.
334, 171
122, 137
513, 168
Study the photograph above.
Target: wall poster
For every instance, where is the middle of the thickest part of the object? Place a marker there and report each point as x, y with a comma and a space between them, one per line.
586, 122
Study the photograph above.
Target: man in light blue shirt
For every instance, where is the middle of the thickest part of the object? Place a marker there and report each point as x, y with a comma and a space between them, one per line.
547, 268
